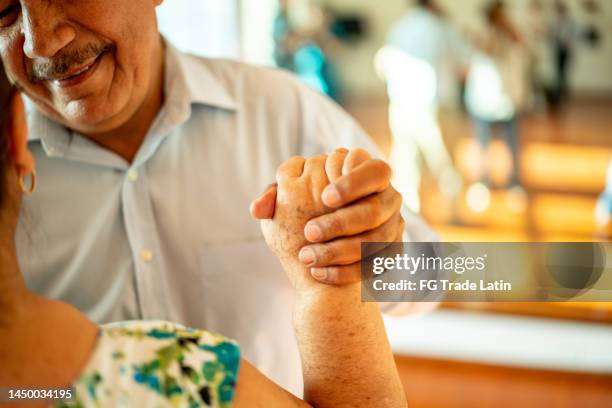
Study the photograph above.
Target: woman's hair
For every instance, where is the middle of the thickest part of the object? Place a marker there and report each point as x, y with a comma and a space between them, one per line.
6, 96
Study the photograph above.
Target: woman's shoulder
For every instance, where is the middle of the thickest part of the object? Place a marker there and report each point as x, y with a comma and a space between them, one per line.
154, 363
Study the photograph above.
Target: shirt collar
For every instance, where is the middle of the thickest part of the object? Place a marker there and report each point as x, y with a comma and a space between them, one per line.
193, 78
188, 80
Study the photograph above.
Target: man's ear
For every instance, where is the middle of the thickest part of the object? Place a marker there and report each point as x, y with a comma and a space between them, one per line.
18, 133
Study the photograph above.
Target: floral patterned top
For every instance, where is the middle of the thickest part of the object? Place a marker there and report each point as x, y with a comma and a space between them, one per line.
157, 364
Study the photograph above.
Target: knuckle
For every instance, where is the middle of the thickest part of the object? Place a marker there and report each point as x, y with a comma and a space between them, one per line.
334, 226
381, 167
345, 186
391, 198
355, 158
283, 169
324, 253
374, 211
314, 164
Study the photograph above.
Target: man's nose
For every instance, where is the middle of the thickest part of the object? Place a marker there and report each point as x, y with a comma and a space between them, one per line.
45, 28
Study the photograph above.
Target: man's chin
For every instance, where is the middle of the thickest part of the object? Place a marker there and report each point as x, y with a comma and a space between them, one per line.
88, 116
88, 121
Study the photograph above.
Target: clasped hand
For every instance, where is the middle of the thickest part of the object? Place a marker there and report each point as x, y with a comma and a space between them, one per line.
320, 211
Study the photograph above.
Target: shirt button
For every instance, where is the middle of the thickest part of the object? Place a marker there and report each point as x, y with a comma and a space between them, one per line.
132, 175
146, 255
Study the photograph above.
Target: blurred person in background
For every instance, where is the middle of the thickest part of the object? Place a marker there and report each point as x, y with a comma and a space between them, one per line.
283, 37
592, 34
594, 22
422, 63
603, 210
304, 44
552, 35
496, 96
563, 33
535, 28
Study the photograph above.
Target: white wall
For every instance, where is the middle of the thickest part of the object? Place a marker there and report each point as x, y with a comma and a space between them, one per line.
592, 70
204, 27
238, 29
257, 20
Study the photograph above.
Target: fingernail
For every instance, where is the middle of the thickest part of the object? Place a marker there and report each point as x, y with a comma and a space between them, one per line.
307, 256
313, 233
331, 195
319, 274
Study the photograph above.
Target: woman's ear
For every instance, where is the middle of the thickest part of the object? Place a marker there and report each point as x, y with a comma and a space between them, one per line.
18, 133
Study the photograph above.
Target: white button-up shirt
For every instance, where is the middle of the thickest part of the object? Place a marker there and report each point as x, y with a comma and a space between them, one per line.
169, 236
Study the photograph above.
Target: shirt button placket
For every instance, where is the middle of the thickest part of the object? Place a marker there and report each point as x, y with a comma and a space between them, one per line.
146, 255
132, 175
135, 197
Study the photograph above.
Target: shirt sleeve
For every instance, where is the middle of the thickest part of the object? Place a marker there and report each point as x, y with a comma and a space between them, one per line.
326, 127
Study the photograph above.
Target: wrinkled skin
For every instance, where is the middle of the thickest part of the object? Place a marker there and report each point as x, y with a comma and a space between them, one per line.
366, 209
300, 185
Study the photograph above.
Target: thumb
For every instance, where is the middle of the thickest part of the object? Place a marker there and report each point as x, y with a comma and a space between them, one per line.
264, 206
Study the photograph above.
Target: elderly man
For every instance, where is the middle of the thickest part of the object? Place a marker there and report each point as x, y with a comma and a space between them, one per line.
147, 160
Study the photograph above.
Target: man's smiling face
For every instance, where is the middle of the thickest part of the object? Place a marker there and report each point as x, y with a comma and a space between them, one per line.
87, 64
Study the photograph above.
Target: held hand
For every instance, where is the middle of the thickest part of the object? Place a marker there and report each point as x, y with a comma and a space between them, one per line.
300, 186
367, 209
340, 163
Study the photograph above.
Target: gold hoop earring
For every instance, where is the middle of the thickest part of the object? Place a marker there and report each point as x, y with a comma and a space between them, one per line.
22, 183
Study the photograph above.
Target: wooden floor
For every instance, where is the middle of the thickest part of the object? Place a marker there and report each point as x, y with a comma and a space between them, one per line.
563, 163
437, 383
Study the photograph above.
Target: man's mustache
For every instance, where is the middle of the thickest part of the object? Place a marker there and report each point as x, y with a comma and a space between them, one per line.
61, 64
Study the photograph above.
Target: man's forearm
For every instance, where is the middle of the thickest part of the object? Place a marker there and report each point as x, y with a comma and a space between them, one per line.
346, 358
